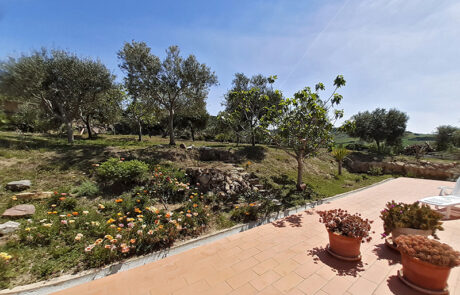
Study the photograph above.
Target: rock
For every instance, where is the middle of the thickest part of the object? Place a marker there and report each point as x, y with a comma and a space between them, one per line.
18, 185
34, 195
182, 146
9, 227
190, 147
204, 179
19, 211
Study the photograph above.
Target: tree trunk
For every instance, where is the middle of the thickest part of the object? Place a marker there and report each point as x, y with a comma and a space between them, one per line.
192, 132
171, 127
253, 137
340, 167
299, 172
69, 131
237, 139
139, 130
88, 127
378, 145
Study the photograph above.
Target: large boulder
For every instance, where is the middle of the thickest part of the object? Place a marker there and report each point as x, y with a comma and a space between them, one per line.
19, 211
9, 227
18, 185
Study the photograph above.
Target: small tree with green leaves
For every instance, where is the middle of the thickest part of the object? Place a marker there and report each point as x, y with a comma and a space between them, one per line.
339, 154
302, 125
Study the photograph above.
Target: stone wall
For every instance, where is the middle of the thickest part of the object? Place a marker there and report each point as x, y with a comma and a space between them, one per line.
423, 169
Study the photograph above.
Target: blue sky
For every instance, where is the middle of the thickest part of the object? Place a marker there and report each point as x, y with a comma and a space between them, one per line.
393, 53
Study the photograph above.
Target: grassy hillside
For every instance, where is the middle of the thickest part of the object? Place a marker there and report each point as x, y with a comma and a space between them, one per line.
52, 164
409, 138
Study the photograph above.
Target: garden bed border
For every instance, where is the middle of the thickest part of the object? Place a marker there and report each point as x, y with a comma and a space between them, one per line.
68, 281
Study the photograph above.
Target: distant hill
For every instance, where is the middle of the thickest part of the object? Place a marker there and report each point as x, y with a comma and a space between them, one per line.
409, 138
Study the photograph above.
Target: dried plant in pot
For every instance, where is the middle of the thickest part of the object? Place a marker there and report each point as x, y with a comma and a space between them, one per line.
403, 219
426, 263
346, 233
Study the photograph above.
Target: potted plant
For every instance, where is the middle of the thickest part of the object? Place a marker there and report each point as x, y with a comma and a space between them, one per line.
402, 219
426, 263
346, 233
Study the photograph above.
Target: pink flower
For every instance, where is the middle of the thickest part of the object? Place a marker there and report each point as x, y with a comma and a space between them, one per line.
64, 221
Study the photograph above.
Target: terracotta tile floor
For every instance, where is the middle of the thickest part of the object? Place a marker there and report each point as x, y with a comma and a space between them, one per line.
285, 257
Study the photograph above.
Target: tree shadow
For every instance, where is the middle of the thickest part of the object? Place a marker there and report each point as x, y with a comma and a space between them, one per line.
283, 180
294, 220
383, 252
342, 268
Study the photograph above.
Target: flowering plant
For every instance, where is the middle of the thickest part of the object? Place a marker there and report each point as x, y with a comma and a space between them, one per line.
417, 216
341, 222
245, 213
427, 250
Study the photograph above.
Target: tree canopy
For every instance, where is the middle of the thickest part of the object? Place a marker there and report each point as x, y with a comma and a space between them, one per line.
171, 84
302, 125
248, 101
60, 82
379, 126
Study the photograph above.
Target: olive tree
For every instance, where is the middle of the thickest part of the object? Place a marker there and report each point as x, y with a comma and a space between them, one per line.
302, 125
60, 82
379, 125
171, 84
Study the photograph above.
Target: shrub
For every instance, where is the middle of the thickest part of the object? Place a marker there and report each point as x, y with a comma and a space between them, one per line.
86, 188
374, 170
397, 215
427, 250
341, 222
245, 213
127, 173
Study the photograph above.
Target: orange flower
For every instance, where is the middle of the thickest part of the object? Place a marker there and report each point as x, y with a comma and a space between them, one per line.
62, 198
167, 215
138, 200
195, 205
160, 227
191, 197
132, 241
118, 228
137, 210
75, 213
188, 211
252, 204
118, 200
145, 191
69, 215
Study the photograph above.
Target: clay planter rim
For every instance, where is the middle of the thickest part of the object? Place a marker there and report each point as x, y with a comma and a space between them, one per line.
410, 231
427, 276
426, 263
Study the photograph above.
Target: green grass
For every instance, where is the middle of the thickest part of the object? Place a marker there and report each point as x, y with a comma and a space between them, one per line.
409, 138
54, 165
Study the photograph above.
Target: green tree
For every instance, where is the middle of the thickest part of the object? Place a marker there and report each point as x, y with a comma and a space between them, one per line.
379, 126
58, 81
339, 154
445, 136
247, 102
104, 107
171, 84
302, 125
194, 118
141, 81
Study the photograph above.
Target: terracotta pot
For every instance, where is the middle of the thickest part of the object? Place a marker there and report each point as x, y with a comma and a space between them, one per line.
409, 231
344, 246
424, 274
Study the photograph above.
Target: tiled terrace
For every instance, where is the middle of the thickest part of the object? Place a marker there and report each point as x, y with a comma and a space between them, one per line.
285, 257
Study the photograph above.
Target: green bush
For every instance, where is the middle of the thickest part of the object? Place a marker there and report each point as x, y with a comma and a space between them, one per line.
245, 213
376, 171
118, 171
86, 189
401, 215
4, 267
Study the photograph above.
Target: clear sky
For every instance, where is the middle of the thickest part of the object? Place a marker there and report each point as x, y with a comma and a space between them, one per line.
393, 53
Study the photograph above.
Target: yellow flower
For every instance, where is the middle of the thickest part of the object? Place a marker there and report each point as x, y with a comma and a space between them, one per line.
100, 206
5, 256
119, 214
14, 198
111, 220
27, 229
108, 237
